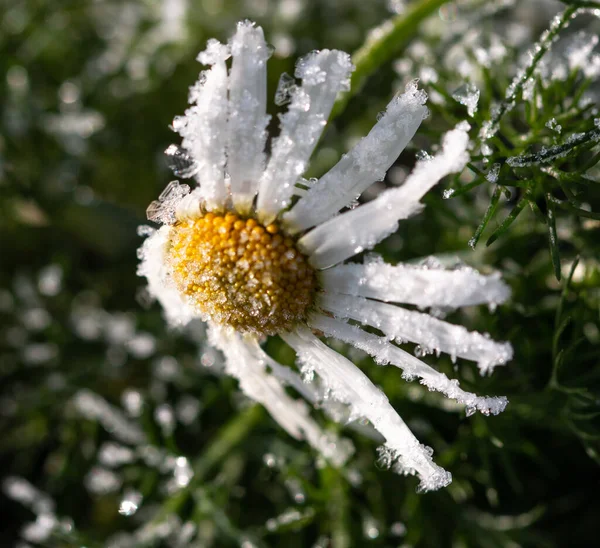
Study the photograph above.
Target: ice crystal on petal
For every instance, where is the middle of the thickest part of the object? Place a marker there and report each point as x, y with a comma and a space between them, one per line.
180, 162
285, 89
163, 210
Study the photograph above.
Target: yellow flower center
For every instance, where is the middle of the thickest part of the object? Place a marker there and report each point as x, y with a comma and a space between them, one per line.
240, 273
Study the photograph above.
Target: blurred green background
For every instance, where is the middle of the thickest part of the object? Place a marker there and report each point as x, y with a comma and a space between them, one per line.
130, 430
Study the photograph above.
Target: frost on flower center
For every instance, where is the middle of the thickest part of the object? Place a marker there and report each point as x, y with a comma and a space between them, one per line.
240, 273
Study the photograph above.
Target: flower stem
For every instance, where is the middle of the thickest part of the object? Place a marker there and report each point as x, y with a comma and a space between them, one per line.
384, 43
228, 437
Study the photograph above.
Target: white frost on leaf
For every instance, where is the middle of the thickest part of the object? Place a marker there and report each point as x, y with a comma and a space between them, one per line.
349, 385
323, 75
362, 228
366, 163
431, 334
424, 285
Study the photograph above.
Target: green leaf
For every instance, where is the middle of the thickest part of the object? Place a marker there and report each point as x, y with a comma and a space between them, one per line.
491, 210
507, 221
552, 237
383, 45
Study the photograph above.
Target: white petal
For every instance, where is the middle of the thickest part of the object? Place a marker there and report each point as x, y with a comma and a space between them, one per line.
425, 285
365, 226
385, 352
349, 385
366, 163
247, 113
154, 267
246, 365
204, 125
323, 74
431, 334
285, 375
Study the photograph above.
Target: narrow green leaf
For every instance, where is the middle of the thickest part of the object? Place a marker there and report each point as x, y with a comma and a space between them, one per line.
549, 154
564, 293
491, 210
507, 221
454, 192
541, 48
552, 237
384, 44
582, 3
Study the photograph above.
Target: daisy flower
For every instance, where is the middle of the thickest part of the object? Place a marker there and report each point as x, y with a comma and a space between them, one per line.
255, 250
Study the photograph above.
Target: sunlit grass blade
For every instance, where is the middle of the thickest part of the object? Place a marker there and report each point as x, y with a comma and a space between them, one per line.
385, 44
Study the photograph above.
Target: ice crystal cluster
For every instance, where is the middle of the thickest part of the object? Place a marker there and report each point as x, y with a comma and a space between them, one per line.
254, 250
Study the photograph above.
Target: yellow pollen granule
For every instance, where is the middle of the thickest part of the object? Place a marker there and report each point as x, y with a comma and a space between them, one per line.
240, 273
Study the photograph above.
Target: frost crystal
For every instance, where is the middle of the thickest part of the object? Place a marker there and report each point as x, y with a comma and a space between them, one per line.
285, 89
163, 210
467, 95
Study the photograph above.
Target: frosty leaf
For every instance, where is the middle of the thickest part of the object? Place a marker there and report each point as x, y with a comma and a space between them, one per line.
549, 154
552, 237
